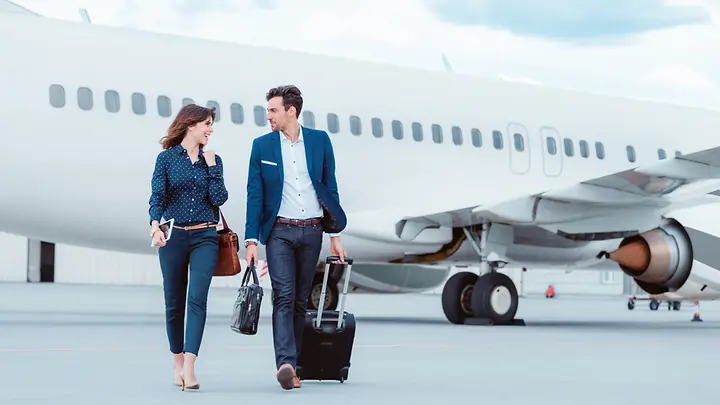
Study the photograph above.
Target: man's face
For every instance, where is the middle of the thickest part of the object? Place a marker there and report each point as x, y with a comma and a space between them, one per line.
277, 116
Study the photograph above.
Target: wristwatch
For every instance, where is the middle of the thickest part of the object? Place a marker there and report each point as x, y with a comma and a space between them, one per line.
249, 242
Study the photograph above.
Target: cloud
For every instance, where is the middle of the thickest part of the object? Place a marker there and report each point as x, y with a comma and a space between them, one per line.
666, 57
570, 19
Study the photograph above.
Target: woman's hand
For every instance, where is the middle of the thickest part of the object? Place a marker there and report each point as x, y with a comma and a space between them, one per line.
158, 238
209, 156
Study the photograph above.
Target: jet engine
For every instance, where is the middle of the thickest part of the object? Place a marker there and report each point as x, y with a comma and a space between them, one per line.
660, 260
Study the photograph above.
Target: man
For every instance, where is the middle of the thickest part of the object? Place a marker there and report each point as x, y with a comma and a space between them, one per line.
292, 198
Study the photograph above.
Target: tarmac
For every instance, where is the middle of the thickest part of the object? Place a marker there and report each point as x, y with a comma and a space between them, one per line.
98, 344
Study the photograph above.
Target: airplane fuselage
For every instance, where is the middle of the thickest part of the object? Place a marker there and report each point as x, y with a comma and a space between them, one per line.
78, 171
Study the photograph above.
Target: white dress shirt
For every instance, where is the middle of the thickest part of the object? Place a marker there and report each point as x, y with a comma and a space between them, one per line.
299, 200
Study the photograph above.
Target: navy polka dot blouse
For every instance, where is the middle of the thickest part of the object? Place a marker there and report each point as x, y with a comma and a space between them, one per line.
190, 193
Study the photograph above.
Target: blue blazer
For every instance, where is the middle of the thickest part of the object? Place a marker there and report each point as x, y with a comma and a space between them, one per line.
265, 183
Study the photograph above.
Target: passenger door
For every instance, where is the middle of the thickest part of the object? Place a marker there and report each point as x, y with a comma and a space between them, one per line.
551, 151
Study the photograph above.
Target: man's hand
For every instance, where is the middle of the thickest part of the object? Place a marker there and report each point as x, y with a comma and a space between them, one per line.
336, 249
209, 156
251, 255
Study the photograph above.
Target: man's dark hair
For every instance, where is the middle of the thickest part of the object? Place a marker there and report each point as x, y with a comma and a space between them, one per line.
291, 97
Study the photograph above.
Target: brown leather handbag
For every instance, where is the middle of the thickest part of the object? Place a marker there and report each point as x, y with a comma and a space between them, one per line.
228, 263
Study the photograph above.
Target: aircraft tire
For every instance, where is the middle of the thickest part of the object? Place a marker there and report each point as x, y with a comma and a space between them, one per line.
495, 298
332, 294
457, 296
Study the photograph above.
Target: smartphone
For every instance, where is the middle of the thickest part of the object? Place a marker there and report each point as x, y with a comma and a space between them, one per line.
166, 228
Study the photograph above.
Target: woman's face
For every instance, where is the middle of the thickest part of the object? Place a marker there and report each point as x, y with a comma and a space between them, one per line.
201, 131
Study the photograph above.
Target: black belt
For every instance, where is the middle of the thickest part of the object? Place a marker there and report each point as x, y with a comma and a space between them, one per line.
298, 222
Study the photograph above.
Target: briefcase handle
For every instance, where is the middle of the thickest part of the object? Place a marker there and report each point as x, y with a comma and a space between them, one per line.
326, 276
250, 270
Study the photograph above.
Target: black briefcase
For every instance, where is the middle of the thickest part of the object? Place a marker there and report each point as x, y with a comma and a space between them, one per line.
328, 337
246, 312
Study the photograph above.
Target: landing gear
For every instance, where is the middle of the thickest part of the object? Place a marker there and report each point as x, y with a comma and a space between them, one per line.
331, 296
488, 299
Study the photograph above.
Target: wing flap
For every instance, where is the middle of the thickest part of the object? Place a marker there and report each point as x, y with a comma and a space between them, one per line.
655, 186
647, 185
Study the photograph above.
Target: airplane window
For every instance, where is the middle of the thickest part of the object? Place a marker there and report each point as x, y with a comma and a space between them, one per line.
112, 101
476, 137
57, 96
260, 117
457, 137
584, 149
164, 106
211, 104
437, 134
237, 114
85, 98
661, 154
333, 123
630, 153
187, 101
397, 129
497, 139
417, 131
377, 127
308, 119
569, 147
551, 145
678, 153
599, 150
138, 103
355, 125
519, 142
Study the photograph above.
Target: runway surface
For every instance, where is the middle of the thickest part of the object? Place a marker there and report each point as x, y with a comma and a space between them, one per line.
93, 344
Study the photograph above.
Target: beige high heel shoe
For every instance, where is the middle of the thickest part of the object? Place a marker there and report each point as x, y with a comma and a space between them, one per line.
190, 387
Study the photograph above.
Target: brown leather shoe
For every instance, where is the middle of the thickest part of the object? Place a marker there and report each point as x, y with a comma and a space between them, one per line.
286, 376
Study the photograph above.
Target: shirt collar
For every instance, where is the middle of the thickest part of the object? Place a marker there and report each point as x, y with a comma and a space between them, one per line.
179, 149
300, 135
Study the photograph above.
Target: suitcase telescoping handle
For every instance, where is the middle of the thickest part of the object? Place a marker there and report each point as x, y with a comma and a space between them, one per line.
326, 276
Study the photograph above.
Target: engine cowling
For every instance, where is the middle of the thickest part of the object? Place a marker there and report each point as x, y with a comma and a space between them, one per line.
660, 260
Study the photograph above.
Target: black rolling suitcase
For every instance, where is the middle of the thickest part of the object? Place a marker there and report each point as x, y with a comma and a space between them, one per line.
328, 337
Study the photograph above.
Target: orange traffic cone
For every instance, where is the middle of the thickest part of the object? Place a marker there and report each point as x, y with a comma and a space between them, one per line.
550, 292
696, 315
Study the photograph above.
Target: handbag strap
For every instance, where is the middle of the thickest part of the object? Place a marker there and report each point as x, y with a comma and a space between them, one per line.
222, 217
246, 277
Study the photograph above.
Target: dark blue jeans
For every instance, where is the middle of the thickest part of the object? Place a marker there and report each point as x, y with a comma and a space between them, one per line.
292, 257
197, 248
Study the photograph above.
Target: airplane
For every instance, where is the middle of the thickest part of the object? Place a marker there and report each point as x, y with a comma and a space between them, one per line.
434, 168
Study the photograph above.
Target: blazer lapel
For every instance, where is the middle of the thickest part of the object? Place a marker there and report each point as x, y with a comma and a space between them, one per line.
277, 154
309, 149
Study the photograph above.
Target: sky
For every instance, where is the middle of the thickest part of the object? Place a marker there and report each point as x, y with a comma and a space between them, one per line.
666, 50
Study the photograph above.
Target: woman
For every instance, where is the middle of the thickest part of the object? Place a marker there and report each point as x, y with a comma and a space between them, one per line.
187, 186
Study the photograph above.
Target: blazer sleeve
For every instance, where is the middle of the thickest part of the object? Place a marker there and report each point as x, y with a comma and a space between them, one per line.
328, 173
253, 209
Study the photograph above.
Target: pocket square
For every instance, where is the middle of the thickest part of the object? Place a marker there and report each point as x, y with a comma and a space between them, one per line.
268, 162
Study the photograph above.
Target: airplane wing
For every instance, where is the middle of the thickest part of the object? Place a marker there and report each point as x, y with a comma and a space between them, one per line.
657, 185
